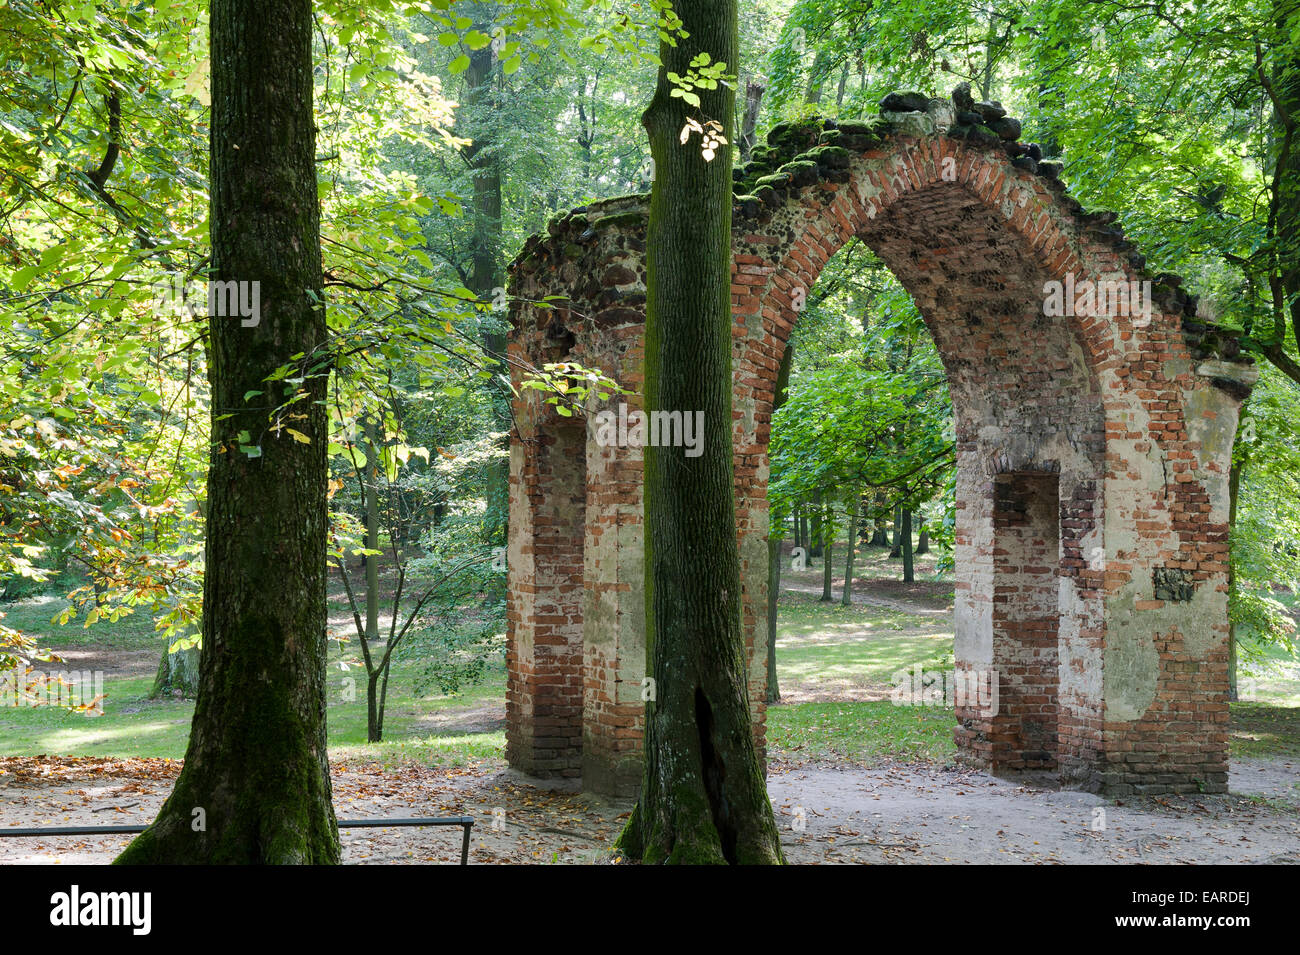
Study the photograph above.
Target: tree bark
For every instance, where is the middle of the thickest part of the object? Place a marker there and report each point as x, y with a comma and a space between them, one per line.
815, 542
177, 672
703, 797
773, 694
1234, 489
852, 549
370, 493
749, 126
880, 536
908, 572
827, 540
485, 276
1286, 129
817, 76
922, 540
255, 787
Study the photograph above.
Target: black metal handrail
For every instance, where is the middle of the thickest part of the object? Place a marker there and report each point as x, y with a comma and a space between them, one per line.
465, 822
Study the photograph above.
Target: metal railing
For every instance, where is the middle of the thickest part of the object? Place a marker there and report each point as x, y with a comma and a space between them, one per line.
465, 822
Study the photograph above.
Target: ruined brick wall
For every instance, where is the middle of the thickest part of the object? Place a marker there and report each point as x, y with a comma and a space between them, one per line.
1105, 621
1026, 621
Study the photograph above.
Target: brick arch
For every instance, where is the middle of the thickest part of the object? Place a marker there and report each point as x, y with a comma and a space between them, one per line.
1093, 452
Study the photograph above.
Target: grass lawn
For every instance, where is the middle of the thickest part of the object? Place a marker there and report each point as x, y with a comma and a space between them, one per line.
829, 656
433, 728
861, 732
863, 643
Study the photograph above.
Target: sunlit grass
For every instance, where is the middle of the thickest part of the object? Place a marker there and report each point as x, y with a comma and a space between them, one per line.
35, 617
134, 725
818, 644
861, 732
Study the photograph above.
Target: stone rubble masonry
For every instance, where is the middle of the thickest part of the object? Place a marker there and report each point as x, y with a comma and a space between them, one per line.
1092, 453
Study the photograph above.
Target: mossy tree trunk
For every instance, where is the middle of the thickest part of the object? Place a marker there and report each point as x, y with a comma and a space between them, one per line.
703, 797
255, 787
178, 672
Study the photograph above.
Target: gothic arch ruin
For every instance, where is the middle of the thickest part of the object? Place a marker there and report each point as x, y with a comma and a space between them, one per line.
1093, 453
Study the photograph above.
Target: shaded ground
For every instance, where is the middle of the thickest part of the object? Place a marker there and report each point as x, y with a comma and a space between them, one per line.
887, 814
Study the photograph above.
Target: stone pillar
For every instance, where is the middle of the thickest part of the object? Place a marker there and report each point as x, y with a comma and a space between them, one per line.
614, 652
544, 660
1025, 620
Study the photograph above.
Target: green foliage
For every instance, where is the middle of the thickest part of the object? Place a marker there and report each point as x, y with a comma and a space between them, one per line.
1265, 549
868, 406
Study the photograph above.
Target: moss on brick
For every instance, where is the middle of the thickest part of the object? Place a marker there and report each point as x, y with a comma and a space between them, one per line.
831, 157
620, 219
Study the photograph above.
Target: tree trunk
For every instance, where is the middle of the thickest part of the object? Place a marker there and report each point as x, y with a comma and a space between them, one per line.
255, 787
908, 575
1234, 488
177, 672
817, 76
773, 595
1286, 128
828, 546
896, 550
703, 798
370, 493
485, 273
374, 729
880, 538
749, 126
852, 550
815, 542
922, 540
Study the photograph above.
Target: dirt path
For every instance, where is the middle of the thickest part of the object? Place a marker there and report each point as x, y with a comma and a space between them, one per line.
899, 814
828, 815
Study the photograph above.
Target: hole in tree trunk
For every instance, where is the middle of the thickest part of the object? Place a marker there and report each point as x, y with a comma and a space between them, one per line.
714, 775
